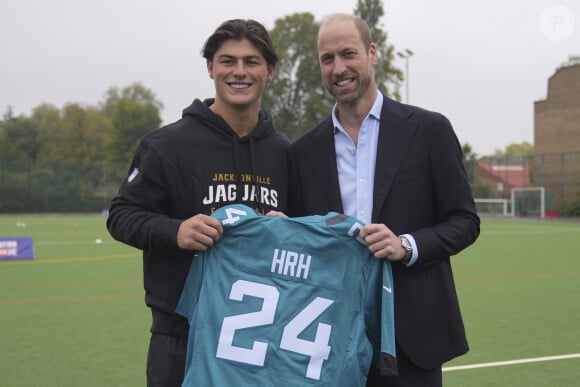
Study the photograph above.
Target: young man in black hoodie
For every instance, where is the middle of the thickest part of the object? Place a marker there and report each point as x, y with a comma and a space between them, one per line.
223, 150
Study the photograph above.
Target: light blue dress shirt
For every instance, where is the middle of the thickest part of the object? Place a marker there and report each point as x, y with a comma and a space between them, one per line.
356, 167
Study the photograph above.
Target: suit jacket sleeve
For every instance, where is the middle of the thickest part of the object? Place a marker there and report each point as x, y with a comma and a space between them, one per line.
430, 196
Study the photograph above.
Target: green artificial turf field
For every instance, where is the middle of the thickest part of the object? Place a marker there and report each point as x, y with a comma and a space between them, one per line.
75, 316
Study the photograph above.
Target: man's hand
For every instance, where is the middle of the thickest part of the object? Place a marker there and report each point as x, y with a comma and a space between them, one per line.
275, 213
199, 232
382, 242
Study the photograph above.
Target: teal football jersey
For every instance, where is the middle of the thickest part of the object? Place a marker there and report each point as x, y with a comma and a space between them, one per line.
287, 302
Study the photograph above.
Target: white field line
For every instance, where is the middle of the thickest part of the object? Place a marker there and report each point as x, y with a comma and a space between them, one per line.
511, 362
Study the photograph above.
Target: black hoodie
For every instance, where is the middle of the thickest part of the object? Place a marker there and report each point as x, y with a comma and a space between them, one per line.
190, 167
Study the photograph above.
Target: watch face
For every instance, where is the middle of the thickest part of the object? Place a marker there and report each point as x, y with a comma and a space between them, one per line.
406, 244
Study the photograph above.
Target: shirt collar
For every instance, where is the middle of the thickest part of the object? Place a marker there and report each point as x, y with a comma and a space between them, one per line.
375, 112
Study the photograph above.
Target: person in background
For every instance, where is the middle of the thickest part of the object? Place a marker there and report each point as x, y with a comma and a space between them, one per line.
223, 150
399, 169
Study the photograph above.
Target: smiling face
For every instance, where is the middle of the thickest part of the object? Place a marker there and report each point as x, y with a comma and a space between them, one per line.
240, 74
347, 66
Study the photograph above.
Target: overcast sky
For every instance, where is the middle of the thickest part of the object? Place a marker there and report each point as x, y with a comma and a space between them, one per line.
482, 64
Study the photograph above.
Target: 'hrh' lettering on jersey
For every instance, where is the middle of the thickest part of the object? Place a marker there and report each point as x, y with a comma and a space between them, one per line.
291, 263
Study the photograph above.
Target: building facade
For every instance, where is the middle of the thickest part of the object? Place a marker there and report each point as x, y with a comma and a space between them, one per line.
557, 135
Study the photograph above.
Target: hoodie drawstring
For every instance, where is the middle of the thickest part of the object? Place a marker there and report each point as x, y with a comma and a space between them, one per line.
257, 181
253, 183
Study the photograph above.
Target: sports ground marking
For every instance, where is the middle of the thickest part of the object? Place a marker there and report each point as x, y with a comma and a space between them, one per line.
42, 261
48, 300
511, 362
62, 285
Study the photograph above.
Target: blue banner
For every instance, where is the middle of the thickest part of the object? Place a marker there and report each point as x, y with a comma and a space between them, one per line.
16, 248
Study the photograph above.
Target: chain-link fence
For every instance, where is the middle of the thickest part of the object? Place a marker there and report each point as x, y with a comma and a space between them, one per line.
27, 187
558, 173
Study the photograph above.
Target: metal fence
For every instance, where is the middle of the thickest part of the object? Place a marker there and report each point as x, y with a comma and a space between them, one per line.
558, 173
37, 187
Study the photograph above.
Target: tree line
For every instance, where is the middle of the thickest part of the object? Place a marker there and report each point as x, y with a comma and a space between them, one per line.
110, 131
73, 158
81, 134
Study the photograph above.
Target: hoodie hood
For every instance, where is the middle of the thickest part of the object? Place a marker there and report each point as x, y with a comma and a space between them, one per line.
200, 111
243, 149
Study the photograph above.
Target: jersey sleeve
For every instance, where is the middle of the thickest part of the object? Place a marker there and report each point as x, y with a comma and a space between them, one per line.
379, 302
388, 361
192, 288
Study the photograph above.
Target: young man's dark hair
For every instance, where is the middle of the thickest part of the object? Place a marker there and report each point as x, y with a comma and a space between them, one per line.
238, 29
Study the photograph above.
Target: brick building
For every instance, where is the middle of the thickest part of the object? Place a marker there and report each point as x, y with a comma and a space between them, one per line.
557, 134
501, 174
557, 118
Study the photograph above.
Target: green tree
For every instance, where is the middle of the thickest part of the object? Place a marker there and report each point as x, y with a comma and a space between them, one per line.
388, 77
18, 138
470, 162
81, 135
468, 153
133, 111
7, 149
516, 149
49, 121
296, 97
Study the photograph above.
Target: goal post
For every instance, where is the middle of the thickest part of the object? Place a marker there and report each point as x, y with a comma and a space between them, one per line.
492, 207
528, 201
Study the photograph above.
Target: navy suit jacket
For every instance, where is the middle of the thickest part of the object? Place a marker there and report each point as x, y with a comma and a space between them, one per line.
420, 188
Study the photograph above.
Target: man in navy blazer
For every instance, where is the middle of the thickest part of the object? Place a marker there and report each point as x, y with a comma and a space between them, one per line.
398, 168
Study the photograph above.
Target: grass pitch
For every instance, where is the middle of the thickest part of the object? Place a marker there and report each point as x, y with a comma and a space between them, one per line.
75, 315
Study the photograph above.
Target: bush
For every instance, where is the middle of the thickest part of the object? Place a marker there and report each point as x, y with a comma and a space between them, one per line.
571, 210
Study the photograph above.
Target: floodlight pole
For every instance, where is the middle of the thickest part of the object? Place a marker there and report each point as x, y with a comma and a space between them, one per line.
406, 55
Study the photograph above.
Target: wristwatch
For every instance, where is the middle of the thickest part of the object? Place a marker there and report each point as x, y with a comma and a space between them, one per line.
407, 246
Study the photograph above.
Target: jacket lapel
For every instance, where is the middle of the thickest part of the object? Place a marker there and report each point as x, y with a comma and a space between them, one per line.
395, 135
322, 157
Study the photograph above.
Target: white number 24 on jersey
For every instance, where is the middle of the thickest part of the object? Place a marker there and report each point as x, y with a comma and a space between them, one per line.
318, 350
